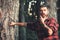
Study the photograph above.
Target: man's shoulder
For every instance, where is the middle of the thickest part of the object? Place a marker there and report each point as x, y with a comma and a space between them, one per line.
52, 18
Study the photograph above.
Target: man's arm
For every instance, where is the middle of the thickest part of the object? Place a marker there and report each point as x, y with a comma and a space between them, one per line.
50, 31
18, 23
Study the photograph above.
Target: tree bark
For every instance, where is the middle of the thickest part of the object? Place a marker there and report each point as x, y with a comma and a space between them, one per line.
10, 9
53, 10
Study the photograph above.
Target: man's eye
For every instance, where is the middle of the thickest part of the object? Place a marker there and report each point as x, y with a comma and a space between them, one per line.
40, 10
44, 9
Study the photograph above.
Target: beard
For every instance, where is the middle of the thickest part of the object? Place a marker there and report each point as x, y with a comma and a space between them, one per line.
44, 15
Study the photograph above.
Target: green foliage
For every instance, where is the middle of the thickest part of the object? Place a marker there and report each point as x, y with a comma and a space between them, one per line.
31, 35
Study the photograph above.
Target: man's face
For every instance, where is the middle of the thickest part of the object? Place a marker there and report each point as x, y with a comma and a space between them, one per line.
43, 11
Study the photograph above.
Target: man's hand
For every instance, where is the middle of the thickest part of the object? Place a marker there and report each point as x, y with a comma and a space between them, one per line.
42, 19
18, 23
50, 32
12, 23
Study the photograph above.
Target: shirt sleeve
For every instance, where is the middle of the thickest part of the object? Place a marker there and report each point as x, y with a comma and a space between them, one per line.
31, 26
53, 25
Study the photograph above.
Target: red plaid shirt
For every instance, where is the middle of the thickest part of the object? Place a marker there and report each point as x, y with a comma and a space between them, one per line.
43, 32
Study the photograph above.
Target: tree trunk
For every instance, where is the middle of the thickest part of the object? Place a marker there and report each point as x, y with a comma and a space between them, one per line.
53, 11
22, 32
10, 9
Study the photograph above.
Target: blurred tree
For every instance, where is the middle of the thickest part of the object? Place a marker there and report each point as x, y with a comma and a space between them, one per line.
58, 14
22, 30
10, 11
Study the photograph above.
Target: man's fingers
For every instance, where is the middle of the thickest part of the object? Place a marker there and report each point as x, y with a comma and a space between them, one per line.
12, 23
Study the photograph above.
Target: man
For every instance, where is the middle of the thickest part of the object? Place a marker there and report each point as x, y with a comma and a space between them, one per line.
47, 28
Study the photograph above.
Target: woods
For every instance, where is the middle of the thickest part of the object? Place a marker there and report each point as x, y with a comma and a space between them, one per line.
20, 11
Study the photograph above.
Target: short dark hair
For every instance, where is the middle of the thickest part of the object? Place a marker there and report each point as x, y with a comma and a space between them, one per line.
40, 6
44, 5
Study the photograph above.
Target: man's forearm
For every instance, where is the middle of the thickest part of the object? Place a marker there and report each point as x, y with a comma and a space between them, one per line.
18, 23
21, 24
50, 31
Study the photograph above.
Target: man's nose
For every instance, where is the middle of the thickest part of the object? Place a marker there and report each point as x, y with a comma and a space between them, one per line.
41, 11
